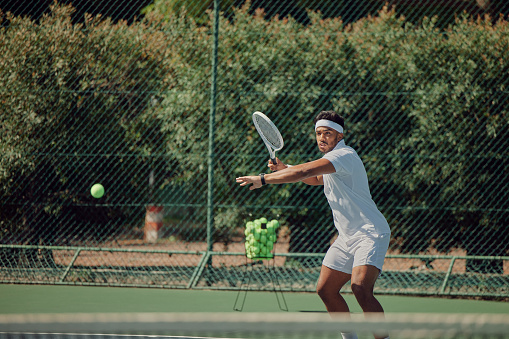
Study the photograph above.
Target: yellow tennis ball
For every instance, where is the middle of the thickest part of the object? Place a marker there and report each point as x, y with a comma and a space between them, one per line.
97, 191
270, 245
247, 231
257, 224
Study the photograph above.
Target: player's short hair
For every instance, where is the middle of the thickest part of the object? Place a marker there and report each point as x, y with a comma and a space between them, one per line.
332, 116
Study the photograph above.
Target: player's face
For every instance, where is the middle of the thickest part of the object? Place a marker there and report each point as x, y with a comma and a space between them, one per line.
327, 138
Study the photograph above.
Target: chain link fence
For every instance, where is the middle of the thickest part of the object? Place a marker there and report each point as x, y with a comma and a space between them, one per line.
154, 100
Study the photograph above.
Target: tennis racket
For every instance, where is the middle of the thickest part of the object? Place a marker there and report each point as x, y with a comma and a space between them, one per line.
269, 134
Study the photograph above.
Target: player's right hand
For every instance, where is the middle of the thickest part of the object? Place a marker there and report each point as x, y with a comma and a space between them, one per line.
278, 167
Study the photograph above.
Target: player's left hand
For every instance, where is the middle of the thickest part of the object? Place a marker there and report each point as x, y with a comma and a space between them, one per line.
255, 180
278, 167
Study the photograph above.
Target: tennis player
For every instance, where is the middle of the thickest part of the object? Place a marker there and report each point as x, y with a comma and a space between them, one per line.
363, 233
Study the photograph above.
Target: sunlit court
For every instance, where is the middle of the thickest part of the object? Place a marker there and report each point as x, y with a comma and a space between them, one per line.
254, 169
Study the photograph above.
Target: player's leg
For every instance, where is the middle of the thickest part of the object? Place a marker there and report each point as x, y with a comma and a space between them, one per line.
335, 273
363, 283
369, 255
329, 284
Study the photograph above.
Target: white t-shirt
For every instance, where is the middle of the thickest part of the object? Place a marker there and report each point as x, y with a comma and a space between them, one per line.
354, 211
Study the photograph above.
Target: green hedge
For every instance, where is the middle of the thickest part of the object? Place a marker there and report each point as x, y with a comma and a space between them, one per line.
450, 156
73, 98
425, 108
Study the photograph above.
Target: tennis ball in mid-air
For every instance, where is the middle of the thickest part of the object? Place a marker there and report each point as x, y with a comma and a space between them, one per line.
97, 191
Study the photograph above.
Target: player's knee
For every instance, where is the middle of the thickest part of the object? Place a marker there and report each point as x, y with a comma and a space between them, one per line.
320, 291
323, 292
362, 292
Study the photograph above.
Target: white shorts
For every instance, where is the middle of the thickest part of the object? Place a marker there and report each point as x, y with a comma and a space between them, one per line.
368, 250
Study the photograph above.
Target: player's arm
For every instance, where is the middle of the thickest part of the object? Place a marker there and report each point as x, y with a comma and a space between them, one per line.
314, 181
312, 172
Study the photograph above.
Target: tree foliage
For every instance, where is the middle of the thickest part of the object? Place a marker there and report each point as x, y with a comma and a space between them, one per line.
425, 107
71, 102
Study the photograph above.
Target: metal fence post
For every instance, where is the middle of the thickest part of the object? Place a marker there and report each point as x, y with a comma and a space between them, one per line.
213, 91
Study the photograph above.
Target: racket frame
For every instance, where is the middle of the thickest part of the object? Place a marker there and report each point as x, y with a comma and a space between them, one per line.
271, 148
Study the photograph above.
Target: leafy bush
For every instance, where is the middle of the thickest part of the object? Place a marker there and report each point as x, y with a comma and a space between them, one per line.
439, 129
425, 107
72, 98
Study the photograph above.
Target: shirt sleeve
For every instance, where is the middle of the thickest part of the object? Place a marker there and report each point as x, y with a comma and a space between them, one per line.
342, 162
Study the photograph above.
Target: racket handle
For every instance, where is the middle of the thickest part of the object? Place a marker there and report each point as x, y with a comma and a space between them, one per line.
274, 162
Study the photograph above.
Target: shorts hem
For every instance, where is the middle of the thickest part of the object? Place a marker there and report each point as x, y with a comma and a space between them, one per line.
332, 267
368, 264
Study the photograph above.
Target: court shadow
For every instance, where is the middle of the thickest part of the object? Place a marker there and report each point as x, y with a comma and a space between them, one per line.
306, 311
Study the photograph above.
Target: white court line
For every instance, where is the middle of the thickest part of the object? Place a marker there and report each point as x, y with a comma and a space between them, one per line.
104, 335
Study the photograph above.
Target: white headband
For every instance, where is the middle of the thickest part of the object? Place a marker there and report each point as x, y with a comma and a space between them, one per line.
328, 123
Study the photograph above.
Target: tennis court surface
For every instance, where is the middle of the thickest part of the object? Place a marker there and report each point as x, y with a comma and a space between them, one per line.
38, 311
249, 325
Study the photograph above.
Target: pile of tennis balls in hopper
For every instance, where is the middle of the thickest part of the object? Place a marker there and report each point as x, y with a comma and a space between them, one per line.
260, 238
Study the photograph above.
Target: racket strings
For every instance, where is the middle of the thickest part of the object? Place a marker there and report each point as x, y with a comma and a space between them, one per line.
271, 135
